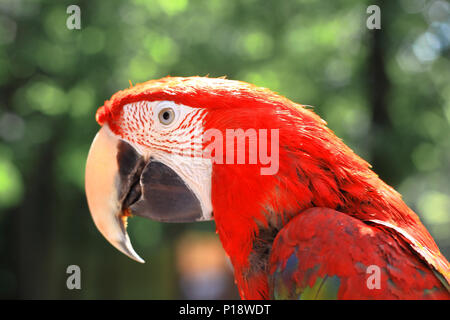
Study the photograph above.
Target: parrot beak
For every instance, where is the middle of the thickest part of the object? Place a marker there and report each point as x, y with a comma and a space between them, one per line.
121, 182
101, 182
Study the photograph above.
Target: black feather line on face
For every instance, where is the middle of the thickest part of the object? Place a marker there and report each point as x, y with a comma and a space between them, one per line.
131, 165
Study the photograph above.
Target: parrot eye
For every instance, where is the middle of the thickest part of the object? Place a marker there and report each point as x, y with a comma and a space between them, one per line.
166, 116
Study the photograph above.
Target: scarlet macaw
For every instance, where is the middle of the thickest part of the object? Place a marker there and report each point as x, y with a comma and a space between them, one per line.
319, 228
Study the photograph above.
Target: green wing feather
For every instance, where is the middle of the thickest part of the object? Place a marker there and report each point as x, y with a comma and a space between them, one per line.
325, 288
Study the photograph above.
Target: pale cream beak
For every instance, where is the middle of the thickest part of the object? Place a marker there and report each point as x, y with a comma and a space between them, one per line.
102, 184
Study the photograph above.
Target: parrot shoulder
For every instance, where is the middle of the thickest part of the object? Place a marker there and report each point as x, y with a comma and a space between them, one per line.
326, 254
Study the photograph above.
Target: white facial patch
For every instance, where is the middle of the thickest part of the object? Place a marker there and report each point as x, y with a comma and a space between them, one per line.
177, 144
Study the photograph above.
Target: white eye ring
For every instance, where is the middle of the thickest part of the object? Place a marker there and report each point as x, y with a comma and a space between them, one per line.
166, 116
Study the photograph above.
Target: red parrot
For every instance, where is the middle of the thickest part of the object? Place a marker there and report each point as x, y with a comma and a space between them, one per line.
322, 225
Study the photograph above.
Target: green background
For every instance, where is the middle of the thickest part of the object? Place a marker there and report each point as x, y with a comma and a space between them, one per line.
385, 92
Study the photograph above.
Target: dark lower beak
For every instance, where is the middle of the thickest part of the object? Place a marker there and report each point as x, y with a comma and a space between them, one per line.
164, 196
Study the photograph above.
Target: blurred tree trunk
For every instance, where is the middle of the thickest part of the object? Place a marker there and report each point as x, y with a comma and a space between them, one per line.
34, 223
378, 90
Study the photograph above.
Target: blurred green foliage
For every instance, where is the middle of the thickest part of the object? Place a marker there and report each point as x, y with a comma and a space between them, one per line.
385, 92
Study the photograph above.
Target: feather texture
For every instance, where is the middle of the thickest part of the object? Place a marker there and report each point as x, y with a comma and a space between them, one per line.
326, 254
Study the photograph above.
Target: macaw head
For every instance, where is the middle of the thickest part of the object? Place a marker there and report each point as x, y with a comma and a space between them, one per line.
169, 150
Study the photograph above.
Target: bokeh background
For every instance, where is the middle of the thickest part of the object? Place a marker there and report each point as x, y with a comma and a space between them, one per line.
385, 92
